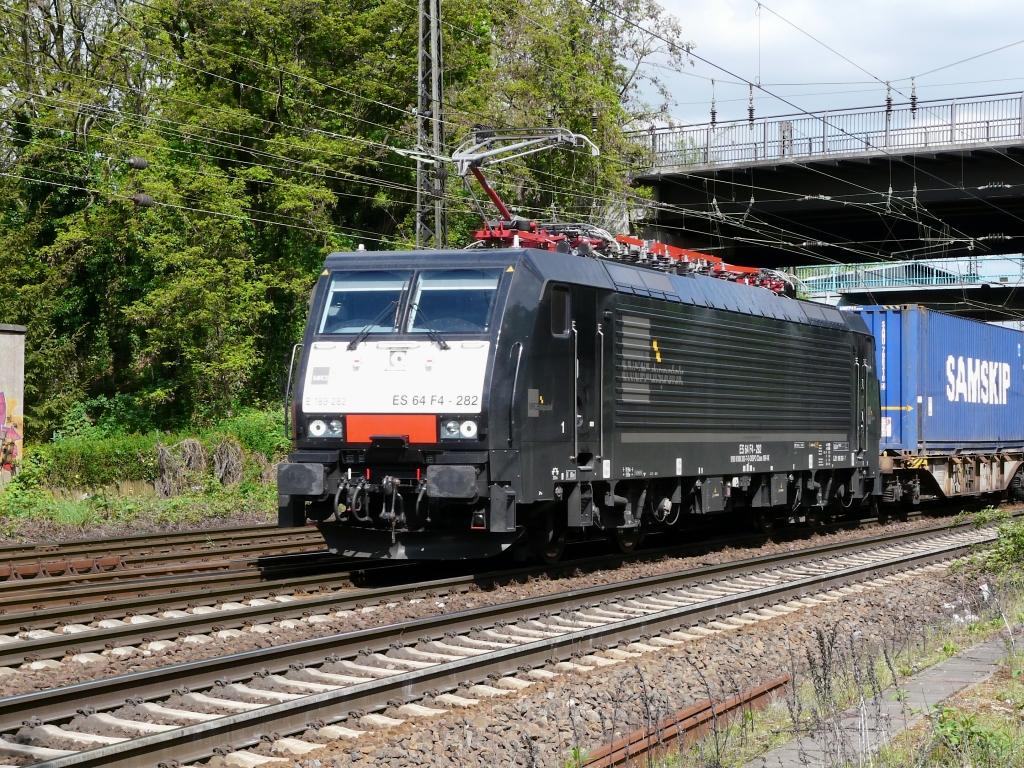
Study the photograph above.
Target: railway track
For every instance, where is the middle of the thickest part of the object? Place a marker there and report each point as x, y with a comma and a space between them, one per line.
373, 678
49, 633
32, 600
97, 561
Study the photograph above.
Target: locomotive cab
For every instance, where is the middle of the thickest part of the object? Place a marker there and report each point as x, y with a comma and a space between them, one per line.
404, 419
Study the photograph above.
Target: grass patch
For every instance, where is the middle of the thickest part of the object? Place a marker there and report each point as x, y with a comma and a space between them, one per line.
217, 475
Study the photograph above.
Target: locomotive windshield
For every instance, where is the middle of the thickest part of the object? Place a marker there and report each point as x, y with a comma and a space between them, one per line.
453, 300
364, 301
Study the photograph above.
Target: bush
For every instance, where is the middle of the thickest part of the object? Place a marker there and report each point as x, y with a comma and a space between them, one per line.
1007, 556
89, 456
218, 472
261, 431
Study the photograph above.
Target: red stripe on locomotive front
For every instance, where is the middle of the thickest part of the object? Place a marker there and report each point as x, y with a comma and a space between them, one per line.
417, 428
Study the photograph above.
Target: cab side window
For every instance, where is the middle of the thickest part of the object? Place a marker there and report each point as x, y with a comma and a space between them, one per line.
559, 311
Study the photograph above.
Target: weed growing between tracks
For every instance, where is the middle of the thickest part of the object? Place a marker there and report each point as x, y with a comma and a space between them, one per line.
839, 671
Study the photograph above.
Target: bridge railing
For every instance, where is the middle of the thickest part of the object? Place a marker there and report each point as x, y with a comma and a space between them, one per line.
931, 273
872, 130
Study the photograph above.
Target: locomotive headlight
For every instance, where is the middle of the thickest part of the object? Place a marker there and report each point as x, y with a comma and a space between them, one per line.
450, 429
334, 428
468, 429
317, 428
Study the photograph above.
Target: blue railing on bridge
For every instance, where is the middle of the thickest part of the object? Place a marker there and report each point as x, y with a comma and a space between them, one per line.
978, 120
967, 272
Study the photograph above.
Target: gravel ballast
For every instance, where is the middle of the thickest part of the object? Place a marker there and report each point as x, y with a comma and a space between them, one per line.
541, 726
72, 669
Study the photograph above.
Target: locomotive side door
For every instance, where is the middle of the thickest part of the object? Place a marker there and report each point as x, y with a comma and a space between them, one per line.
548, 427
587, 349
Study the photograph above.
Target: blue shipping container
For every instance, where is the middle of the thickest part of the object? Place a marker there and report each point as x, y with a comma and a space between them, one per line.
945, 382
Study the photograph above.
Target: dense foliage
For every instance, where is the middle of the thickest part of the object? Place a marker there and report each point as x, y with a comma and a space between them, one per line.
93, 475
268, 128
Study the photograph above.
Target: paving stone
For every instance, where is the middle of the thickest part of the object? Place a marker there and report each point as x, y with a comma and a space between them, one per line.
921, 691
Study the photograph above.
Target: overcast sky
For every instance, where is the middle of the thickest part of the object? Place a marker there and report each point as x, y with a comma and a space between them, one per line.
892, 40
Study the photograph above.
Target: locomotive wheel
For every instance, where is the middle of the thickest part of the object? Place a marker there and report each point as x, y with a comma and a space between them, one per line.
550, 552
764, 520
626, 539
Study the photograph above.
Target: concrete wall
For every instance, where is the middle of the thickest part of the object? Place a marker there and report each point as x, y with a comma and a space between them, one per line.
12, 398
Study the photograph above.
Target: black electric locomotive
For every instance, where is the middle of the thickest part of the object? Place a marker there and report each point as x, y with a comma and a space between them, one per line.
455, 404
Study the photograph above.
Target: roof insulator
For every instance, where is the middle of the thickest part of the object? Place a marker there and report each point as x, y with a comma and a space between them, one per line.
143, 200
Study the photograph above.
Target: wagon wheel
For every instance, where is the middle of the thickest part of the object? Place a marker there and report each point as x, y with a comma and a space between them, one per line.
882, 513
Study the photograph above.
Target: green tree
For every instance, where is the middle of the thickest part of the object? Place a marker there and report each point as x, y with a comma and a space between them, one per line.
269, 130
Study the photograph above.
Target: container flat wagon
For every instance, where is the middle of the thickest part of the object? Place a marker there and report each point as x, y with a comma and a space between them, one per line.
952, 404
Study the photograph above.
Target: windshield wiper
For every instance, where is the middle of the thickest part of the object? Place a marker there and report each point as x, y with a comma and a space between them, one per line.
432, 332
354, 344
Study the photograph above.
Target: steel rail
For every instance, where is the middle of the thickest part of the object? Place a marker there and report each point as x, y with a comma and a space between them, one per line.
108, 692
29, 553
243, 730
33, 600
127, 562
168, 596
132, 634
685, 726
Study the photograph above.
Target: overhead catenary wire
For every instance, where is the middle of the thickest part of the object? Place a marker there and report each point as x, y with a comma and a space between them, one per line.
248, 86
291, 160
164, 204
346, 175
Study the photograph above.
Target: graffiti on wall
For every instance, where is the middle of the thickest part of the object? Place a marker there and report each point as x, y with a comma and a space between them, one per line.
10, 434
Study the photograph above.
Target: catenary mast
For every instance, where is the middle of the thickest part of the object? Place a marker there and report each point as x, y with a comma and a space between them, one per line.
431, 218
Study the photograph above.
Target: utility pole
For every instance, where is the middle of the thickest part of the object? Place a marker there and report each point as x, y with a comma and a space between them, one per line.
431, 217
